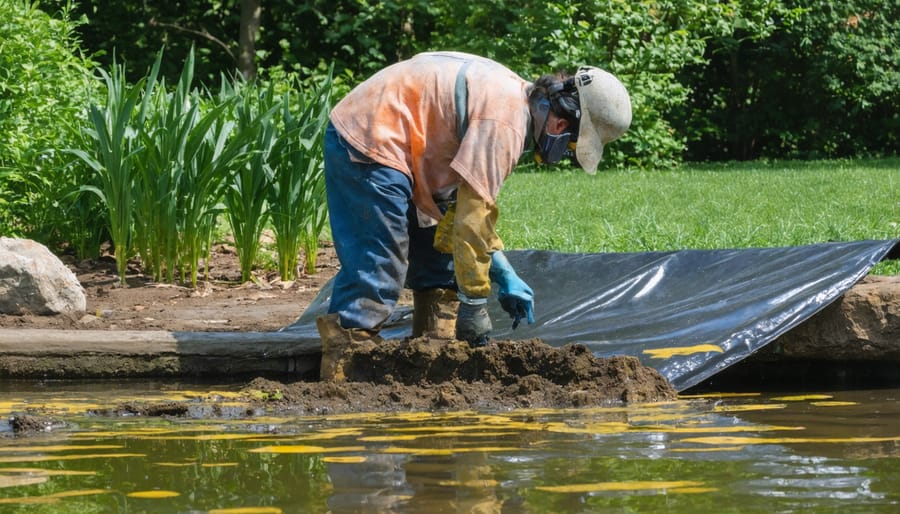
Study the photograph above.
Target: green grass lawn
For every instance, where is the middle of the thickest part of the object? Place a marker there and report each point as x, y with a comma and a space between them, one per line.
734, 205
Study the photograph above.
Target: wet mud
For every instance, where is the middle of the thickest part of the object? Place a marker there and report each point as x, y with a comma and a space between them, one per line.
411, 375
27, 424
424, 374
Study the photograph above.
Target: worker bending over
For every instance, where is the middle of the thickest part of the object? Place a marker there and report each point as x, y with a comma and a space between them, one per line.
414, 160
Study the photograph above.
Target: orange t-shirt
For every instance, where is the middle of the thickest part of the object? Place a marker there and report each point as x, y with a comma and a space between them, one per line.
404, 117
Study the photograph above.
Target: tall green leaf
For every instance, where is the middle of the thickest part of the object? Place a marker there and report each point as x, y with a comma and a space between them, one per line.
112, 160
296, 167
246, 191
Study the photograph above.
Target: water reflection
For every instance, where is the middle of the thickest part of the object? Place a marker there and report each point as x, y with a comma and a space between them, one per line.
774, 452
396, 483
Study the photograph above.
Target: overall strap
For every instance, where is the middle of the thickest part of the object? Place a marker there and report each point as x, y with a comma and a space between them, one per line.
460, 97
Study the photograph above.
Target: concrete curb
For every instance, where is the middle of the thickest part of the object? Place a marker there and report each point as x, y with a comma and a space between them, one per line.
41, 353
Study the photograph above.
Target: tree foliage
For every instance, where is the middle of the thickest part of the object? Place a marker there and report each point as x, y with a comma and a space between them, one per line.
819, 79
45, 85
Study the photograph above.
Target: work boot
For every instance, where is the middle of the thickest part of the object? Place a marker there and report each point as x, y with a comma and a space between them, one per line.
434, 313
339, 344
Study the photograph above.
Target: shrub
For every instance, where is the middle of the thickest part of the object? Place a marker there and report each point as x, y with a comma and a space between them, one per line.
45, 87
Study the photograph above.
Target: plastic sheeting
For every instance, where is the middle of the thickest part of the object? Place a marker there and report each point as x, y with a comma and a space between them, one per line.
690, 314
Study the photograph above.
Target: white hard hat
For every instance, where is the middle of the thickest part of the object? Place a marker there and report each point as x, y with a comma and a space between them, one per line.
605, 114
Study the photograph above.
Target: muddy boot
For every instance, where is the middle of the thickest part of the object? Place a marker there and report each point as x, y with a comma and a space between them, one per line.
434, 313
338, 346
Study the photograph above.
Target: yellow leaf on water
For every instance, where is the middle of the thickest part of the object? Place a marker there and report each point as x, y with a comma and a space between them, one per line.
748, 408
475, 484
717, 395
154, 494
788, 440
802, 397
665, 353
833, 404
618, 486
349, 459
219, 465
418, 451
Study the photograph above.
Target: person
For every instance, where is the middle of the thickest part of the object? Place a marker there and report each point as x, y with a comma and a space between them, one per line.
414, 159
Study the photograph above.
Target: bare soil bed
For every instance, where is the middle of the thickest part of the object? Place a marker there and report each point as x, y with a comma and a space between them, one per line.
221, 303
418, 374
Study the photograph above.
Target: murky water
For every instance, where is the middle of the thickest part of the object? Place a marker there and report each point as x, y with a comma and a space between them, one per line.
786, 452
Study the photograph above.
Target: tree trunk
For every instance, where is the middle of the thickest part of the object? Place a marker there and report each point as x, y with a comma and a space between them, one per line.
250, 14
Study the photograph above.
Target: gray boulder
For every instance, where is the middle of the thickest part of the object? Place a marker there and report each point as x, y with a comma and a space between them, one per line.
34, 281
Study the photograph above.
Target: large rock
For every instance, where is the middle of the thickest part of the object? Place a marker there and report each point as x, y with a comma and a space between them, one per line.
862, 325
34, 281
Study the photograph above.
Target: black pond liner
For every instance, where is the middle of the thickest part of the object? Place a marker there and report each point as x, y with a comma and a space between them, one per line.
690, 314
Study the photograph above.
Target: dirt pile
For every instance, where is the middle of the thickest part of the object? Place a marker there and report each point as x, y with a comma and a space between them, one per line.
423, 374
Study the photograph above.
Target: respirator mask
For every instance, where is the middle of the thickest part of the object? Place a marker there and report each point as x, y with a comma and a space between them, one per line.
551, 148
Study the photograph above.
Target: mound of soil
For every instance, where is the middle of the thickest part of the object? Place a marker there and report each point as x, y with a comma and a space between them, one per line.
27, 424
434, 374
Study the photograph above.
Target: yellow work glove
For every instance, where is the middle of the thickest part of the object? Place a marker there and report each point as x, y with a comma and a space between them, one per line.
474, 240
443, 233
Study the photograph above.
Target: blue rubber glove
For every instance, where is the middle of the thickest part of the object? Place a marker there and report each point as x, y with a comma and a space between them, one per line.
515, 296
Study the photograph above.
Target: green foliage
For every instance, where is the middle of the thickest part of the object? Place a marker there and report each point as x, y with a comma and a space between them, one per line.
282, 180
297, 180
167, 163
45, 85
163, 133
190, 148
359, 36
817, 79
726, 79
112, 159
214, 149
645, 44
246, 188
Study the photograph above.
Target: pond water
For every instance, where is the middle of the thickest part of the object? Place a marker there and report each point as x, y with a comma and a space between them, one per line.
748, 452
